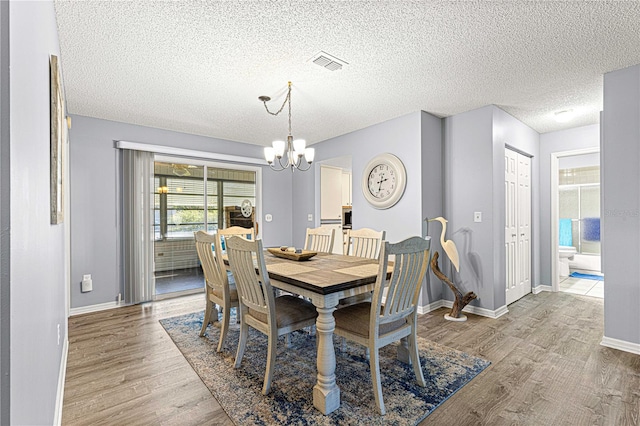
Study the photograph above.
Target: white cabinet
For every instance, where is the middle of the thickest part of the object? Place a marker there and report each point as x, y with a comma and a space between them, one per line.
346, 188
330, 193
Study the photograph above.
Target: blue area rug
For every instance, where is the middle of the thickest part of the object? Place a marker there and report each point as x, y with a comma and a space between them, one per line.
587, 276
291, 400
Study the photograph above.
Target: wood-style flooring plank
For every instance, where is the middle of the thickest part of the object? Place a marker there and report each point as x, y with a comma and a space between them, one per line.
548, 368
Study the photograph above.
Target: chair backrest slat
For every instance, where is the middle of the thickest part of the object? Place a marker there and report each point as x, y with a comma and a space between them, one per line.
319, 239
403, 290
364, 242
213, 267
246, 233
252, 280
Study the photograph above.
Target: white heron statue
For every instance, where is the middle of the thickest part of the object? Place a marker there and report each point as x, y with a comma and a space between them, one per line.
448, 246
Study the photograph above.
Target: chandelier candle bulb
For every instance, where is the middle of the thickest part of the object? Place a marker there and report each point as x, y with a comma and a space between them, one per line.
279, 146
299, 147
269, 154
309, 154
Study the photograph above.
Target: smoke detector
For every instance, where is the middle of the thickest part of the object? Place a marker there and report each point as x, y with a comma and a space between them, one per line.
328, 61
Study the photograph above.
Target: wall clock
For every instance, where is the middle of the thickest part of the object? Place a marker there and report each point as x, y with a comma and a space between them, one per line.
246, 208
384, 180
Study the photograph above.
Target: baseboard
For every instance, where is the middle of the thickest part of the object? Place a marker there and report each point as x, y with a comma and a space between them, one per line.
430, 307
95, 308
479, 311
57, 415
621, 345
540, 288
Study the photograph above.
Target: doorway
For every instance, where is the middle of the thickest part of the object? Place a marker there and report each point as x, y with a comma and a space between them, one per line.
517, 224
576, 236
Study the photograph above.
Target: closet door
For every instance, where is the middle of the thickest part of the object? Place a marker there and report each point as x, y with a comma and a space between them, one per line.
517, 225
524, 225
511, 227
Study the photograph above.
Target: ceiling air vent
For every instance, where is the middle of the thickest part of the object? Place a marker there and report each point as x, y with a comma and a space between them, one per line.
327, 61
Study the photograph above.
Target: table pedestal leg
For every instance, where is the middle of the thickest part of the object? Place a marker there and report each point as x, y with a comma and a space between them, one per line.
403, 351
326, 394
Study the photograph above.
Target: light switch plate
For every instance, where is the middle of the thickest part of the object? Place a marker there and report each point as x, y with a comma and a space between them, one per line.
477, 216
310, 217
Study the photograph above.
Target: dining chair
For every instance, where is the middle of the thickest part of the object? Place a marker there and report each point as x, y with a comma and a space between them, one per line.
219, 291
247, 233
260, 309
319, 239
375, 324
364, 242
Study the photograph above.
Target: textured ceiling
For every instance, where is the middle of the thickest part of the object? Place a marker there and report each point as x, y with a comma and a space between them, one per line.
199, 66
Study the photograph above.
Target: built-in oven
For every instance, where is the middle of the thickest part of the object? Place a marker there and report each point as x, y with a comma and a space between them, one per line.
346, 219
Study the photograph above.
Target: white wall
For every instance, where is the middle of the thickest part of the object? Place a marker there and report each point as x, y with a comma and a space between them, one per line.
38, 285
620, 188
553, 142
95, 198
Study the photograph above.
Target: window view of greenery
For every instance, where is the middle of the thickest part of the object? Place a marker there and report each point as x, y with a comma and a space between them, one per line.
180, 198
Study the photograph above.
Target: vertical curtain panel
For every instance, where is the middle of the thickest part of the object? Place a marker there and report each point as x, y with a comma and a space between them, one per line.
138, 237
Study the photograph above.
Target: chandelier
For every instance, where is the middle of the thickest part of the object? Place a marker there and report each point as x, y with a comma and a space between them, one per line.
291, 150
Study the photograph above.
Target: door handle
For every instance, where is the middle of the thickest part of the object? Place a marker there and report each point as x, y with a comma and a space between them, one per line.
513, 235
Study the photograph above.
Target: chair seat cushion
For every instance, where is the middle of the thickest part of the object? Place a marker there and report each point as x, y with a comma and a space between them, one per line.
289, 310
233, 292
355, 319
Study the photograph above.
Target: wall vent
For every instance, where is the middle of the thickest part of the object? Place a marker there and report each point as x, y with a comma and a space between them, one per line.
328, 61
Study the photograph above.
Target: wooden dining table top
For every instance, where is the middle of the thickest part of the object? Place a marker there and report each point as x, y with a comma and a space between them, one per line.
324, 273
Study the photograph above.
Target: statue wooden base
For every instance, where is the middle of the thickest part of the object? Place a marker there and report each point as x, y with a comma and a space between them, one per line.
461, 300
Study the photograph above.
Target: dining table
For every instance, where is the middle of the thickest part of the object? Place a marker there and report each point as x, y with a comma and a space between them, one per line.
324, 279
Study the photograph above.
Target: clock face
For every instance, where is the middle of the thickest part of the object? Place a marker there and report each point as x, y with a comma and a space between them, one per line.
246, 208
383, 181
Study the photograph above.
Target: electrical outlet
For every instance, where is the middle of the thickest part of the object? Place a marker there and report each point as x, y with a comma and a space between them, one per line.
268, 217
477, 216
87, 283
310, 217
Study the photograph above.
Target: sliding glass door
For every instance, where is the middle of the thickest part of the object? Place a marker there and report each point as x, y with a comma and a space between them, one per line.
190, 197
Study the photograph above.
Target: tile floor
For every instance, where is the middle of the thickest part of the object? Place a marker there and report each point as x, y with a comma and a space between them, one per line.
583, 287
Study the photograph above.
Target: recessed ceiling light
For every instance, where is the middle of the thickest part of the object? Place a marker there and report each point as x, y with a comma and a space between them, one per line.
564, 116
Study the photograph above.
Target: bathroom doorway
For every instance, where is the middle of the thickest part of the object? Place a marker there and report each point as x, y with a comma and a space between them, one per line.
576, 236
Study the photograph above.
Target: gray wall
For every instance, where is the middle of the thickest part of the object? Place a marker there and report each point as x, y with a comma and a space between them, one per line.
432, 196
95, 195
406, 137
468, 189
474, 182
38, 284
401, 137
564, 140
580, 160
5, 218
620, 178
508, 131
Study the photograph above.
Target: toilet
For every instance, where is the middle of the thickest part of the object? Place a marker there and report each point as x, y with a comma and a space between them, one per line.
565, 253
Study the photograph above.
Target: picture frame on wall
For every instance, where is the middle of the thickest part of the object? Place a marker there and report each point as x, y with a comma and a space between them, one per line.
58, 135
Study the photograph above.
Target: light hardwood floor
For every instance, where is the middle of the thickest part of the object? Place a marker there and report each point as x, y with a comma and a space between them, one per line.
548, 368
